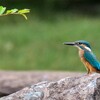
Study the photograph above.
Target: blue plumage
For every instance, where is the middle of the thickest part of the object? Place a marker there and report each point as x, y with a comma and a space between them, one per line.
91, 58
83, 42
86, 55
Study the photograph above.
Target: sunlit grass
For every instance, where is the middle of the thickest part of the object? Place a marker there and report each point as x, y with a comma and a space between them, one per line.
36, 44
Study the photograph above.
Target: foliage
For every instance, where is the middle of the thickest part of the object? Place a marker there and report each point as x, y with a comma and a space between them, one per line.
48, 6
4, 12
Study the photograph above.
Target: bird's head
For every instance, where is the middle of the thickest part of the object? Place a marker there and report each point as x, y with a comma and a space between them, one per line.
81, 44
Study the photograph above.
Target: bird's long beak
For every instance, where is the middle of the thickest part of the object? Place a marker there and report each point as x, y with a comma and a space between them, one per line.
69, 43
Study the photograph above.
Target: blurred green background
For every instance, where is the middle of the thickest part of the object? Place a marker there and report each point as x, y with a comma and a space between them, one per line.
37, 44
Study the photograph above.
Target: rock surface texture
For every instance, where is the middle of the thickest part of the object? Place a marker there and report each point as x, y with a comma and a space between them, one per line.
69, 88
13, 81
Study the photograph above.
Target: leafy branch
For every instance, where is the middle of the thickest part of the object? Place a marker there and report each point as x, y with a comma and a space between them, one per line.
4, 12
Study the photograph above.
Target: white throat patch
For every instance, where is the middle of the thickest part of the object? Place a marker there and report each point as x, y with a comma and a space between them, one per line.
87, 48
78, 47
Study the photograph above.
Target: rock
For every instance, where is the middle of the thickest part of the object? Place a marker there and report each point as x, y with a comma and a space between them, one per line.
12, 81
86, 87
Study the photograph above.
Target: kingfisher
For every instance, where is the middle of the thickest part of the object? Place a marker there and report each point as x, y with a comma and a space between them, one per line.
86, 55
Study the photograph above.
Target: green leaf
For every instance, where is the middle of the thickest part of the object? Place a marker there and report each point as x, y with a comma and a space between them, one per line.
2, 10
12, 11
24, 11
24, 16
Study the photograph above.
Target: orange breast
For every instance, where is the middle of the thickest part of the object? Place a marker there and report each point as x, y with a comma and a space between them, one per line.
88, 66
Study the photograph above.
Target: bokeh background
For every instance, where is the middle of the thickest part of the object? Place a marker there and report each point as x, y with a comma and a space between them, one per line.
37, 43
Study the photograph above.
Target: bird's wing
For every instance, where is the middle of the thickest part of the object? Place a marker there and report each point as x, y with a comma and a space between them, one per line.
91, 58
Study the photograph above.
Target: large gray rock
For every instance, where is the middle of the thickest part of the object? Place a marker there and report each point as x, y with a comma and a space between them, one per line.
13, 81
69, 88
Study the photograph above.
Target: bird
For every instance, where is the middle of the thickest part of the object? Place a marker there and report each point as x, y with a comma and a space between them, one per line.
86, 56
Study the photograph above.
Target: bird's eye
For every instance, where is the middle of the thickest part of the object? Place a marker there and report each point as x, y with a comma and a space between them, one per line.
79, 43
